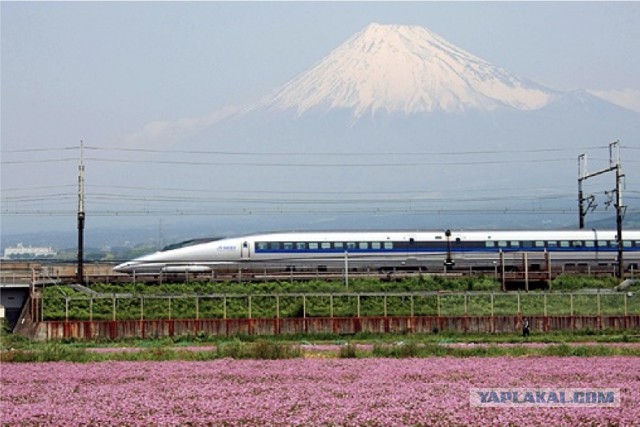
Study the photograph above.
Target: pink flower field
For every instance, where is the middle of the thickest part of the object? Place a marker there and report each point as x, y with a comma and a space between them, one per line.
310, 392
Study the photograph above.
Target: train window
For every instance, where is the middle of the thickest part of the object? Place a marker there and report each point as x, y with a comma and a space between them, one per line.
589, 243
288, 246
538, 244
262, 246
577, 244
552, 244
502, 244
489, 244
301, 246
363, 245
626, 243
515, 244
313, 245
564, 244
274, 246
388, 245
351, 245
338, 245
376, 245
603, 243
325, 245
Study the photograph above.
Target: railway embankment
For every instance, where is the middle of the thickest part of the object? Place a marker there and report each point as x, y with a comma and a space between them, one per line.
421, 306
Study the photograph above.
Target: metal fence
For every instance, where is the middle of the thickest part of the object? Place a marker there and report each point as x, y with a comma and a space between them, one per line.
116, 307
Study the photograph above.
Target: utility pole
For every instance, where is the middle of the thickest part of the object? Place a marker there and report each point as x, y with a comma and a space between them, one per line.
619, 213
81, 216
591, 205
615, 164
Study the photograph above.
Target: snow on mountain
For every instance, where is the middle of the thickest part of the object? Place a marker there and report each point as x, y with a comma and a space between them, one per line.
407, 69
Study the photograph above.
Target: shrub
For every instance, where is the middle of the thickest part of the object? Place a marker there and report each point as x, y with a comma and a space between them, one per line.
347, 351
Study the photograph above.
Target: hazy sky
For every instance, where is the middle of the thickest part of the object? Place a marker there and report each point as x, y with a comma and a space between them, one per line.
102, 71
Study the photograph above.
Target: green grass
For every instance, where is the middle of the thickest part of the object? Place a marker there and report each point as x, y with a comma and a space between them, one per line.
337, 305
323, 299
262, 349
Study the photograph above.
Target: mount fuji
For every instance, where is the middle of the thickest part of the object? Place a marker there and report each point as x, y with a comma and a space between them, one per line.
448, 124
406, 69
396, 85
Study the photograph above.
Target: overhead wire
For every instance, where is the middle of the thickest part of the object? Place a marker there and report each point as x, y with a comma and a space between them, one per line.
419, 196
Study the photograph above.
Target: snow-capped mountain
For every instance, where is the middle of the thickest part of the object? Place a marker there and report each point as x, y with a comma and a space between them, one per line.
407, 69
398, 110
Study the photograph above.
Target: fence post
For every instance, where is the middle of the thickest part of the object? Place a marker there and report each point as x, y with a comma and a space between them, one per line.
385, 305
544, 301
113, 312
197, 307
412, 307
141, 307
331, 305
571, 304
224, 307
304, 306
249, 298
66, 309
358, 305
598, 299
626, 312
466, 308
519, 309
90, 309
277, 306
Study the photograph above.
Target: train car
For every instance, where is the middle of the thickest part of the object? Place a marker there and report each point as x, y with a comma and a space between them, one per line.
393, 249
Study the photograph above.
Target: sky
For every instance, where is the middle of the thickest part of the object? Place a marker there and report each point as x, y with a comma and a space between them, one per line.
103, 71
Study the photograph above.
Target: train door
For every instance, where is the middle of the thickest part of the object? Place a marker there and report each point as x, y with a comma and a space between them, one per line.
245, 250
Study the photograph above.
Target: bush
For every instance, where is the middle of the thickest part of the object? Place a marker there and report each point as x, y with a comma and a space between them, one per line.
347, 351
402, 349
261, 349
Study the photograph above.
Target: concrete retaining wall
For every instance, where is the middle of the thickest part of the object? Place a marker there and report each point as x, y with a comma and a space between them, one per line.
87, 330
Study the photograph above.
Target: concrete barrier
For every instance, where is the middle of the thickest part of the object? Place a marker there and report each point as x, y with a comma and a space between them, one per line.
89, 330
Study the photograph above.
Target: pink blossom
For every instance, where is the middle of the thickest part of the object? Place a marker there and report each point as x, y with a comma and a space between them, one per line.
346, 392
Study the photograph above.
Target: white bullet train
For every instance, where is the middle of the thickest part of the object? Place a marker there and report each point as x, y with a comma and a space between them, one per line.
394, 249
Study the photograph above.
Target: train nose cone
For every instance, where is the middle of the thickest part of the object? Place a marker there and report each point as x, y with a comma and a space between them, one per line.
125, 267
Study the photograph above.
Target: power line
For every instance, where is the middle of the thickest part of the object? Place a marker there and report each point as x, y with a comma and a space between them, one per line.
357, 154
39, 150
310, 154
324, 165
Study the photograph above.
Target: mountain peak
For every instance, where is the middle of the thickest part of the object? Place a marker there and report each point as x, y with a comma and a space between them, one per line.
406, 69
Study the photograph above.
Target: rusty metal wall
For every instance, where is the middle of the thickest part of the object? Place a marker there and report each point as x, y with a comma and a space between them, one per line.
87, 330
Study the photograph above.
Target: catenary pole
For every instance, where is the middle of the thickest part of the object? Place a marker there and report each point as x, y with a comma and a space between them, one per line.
81, 216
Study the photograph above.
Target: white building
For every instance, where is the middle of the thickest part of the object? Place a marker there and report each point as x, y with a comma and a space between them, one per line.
21, 251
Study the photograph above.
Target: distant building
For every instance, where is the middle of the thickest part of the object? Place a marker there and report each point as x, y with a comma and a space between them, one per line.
20, 251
